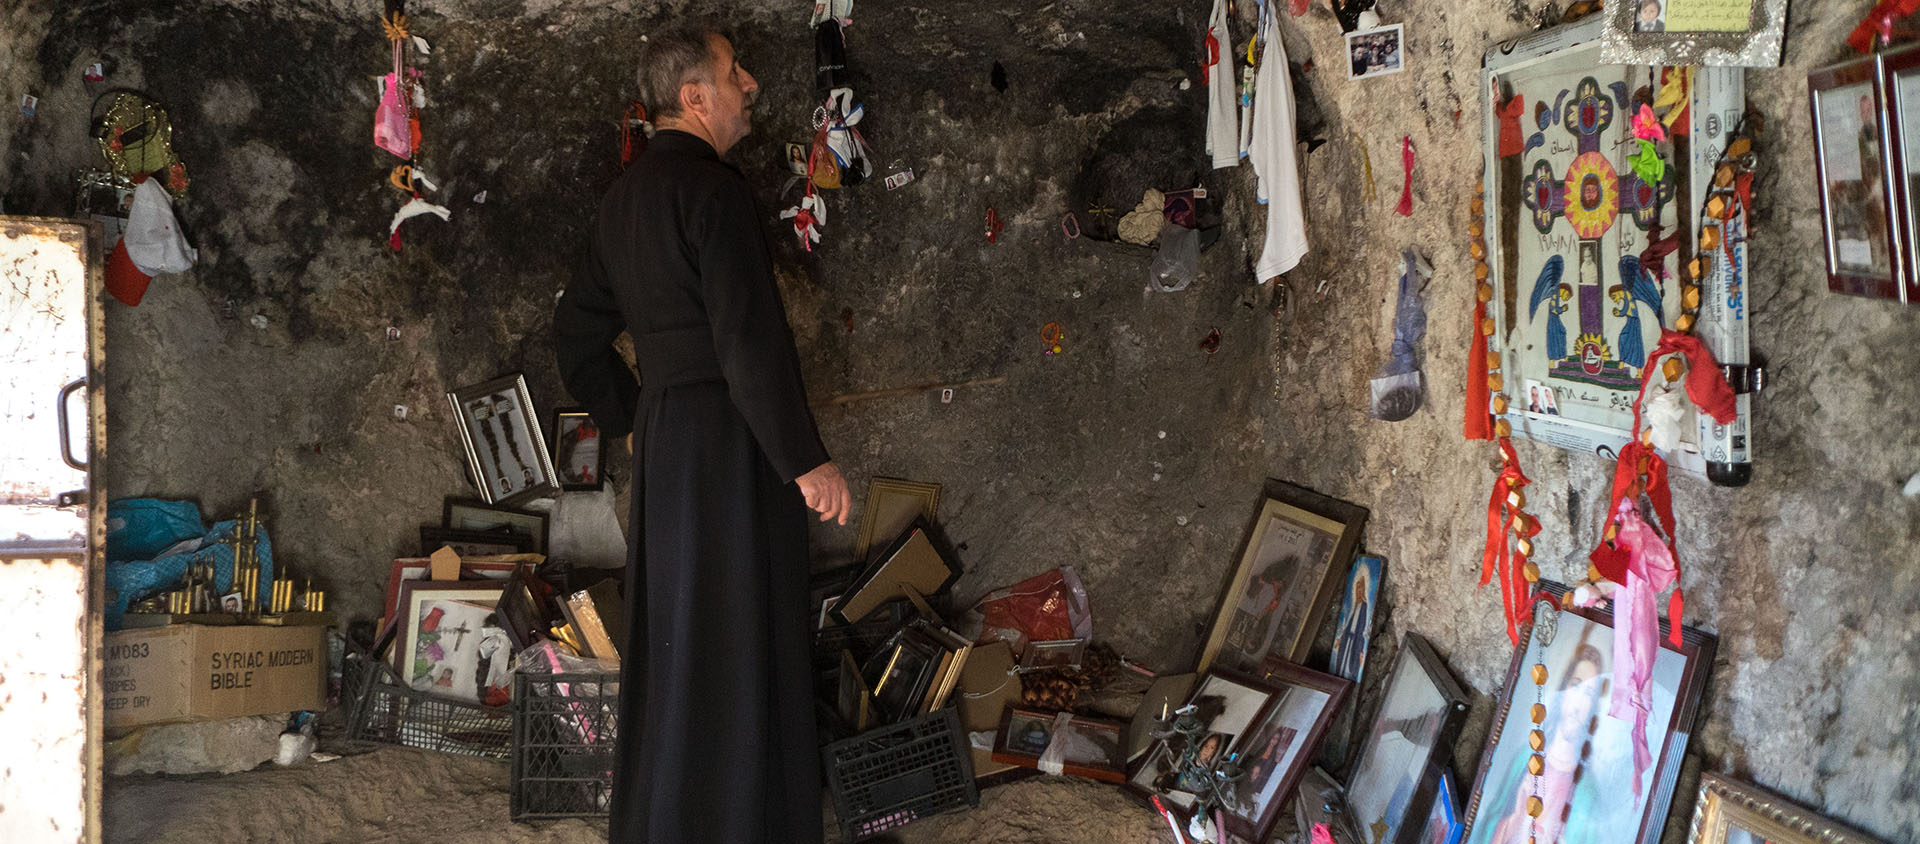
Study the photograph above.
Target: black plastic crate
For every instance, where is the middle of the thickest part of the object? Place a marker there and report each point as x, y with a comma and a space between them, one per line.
887, 778
564, 730
388, 711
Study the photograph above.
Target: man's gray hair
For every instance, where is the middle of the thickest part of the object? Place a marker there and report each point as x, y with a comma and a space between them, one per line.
674, 56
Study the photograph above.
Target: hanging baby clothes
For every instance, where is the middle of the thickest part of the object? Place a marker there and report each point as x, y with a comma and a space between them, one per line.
1276, 160
1223, 116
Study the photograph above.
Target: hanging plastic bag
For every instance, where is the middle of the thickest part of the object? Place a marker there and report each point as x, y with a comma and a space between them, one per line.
153, 237
1177, 261
1397, 388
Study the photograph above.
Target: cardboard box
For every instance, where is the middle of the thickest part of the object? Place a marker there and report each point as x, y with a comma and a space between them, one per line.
191, 672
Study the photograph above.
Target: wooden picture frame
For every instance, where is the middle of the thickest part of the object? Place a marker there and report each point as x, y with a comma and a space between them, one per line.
417, 568
1279, 746
1294, 559
1242, 699
1725, 807
500, 432
1026, 734
1423, 707
1900, 96
411, 655
892, 507
473, 543
472, 514
574, 431
1859, 219
1583, 638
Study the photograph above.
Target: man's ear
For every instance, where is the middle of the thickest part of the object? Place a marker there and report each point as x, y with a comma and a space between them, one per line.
693, 97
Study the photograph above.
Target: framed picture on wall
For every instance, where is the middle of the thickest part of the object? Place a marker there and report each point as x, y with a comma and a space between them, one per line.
578, 455
1586, 771
1746, 33
1858, 214
1275, 750
1729, 812
1276, 595
506, 454
1406, 747
1900, 90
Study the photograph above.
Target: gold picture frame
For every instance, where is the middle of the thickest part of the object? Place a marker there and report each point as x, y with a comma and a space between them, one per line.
893, 505
1296, 556
1725, 806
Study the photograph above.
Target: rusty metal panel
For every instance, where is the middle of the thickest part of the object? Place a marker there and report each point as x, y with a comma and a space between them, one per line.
52, 528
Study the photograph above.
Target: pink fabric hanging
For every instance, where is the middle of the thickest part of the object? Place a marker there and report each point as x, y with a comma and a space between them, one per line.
390, 130
1636, 623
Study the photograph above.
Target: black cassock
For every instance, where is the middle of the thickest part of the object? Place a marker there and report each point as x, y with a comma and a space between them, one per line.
717, 739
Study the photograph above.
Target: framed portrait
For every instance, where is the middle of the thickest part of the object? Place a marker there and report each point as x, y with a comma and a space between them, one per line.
417, 568
1851, 141
1586, 780
1355, 627
1290, 567
450, 641
1744, 33
1061, 653
1081, 746
577, 453
473, 543
1729, 812
1376, 52
1581, 293
893, 506
1443, 818
474, 515
500, 433
1227, 704
1276, 748
1406, 747
1900, 90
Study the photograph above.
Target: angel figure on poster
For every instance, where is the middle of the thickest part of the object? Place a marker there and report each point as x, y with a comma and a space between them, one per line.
1638, 289
1548, 289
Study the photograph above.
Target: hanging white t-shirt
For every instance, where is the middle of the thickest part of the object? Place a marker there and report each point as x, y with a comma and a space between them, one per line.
1276, 160
1223, 101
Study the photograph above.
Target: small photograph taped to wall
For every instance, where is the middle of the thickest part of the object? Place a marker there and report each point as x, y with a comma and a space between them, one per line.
1540, 399
1376, 52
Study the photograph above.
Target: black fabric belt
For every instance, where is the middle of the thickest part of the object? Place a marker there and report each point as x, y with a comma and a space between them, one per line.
677, 357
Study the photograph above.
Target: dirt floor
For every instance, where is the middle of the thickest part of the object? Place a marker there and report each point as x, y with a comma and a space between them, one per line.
403, 795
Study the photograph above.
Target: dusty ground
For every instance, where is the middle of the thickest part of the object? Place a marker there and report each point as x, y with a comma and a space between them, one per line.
402, 795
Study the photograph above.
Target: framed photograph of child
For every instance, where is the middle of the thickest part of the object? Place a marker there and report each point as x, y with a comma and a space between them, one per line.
578, 454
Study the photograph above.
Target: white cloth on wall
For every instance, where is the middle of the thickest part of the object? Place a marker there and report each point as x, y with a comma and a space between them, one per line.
1223, 99
1276, 160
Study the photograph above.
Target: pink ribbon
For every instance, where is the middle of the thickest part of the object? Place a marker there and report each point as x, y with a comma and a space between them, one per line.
1636, 641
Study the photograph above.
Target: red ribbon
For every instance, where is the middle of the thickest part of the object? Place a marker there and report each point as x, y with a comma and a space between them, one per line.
1479, 423
1213, 58
1405, 208
1705, 385
993, 226
1511, 142
1501, 521
1880, 22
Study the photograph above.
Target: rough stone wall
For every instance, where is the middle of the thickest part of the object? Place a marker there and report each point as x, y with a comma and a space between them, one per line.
1808, 575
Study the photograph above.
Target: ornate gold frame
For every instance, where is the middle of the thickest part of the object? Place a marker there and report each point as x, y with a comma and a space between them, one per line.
1724, 803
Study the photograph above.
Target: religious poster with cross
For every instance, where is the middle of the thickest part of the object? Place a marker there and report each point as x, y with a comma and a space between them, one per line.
447, 648
1585, 248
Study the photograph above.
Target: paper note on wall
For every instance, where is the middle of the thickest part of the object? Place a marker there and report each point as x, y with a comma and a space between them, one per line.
1709, 15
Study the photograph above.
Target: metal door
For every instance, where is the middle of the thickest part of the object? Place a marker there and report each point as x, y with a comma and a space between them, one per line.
51, 529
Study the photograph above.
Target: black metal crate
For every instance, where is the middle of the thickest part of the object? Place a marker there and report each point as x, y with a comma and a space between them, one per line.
564, 730
388, 711
887, 778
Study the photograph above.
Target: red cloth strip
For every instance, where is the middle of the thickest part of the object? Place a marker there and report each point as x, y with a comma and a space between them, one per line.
1479, 421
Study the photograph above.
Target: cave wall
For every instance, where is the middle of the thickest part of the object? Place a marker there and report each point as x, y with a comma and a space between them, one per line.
1134, 455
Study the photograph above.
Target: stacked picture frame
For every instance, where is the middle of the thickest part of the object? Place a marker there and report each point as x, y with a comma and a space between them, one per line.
1866, 130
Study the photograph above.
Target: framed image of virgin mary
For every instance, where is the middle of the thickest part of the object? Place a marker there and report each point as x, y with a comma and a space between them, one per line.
1291, 566
1585, 778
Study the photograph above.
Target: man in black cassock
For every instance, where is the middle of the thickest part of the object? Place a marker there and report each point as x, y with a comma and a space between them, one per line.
717, 740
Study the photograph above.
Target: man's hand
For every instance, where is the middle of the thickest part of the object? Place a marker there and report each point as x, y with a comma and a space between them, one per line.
826, 492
